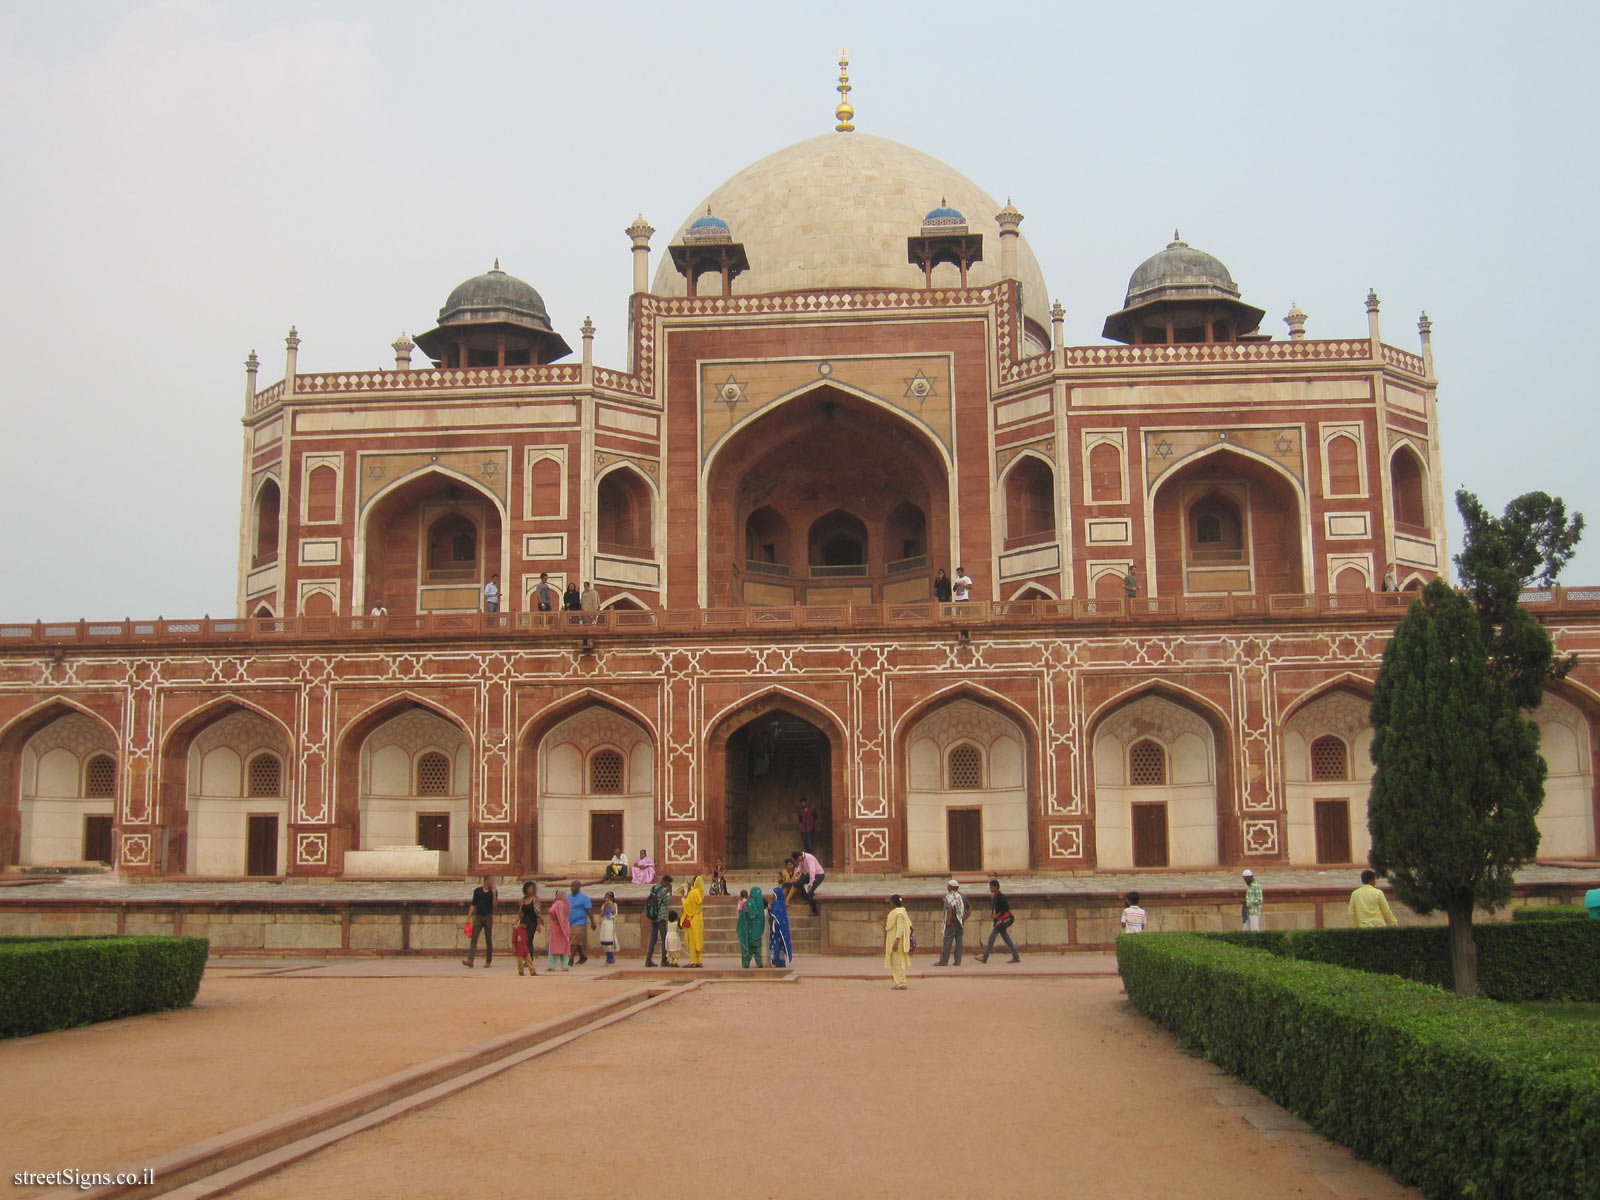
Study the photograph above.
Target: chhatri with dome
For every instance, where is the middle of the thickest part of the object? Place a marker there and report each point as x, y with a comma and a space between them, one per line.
845, 386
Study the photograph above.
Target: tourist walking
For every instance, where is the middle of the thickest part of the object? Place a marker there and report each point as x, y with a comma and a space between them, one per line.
808, 873
527, 925
693, 923
1003, 921
578, 917
558, 953
1134, 918
656, 907
897, 942
1368, 907
808, 824
955, 922
608, 927
1253, 900
480, 915
778, 942
752, 928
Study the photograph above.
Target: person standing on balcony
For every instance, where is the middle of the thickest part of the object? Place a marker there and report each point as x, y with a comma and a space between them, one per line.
1390, 584
589, 599
491, 594
570, 599
961, 586
1130, 583
544, 596
941, 587
808, 824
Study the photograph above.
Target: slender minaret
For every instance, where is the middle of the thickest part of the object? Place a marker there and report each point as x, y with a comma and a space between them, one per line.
1425, 331
1009, 218
251, 366
402, 347
1296, 321
291, 359
640, 232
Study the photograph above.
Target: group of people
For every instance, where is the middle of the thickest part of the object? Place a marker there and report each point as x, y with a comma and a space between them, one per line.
1368, 907
545, 597
567, 921
947, 590
899, 940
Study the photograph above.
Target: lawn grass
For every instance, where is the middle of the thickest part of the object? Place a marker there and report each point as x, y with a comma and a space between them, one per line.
1555, 1010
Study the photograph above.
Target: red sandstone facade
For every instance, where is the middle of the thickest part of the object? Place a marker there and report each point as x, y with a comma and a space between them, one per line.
760, 503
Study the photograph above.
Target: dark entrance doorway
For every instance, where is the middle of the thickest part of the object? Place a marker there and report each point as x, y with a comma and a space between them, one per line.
1149, 835
605, 835
965, 828
1333, 831
773, 762
97, 839
261, 845
433, 831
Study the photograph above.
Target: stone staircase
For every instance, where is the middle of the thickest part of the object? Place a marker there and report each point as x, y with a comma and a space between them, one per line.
722, 925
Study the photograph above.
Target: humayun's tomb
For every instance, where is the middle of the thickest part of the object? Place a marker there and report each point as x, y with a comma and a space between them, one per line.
845, 375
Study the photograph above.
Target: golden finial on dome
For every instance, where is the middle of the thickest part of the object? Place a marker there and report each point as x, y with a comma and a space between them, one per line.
844, 112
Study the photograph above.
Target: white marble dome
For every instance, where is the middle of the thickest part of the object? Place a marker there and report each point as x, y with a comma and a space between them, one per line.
836, 210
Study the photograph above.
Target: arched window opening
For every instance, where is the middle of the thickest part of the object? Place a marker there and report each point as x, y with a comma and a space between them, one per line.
1030, 502
433, 774
622, 514
544, 488
1216, 531
605, 773
838, 543
1405, 481
452, 549
966, 767
1105, 473
905, 538
1329, 759
1147, 764
1344, 466
268, 501
266, 775
322, 495
100, 777
766, 539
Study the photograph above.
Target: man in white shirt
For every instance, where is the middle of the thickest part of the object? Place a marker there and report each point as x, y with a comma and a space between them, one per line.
955, 922
961, 585
491, 595
808, 874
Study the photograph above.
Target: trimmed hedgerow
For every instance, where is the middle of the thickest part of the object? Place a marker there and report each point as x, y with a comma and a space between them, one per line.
57, 983
1541, 960
1553, 912
1457, 1096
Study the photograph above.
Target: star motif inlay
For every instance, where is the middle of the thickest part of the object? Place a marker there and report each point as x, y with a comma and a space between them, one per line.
489, 468
377, 471
1164, 449
919, 387
1284, 444
731, 391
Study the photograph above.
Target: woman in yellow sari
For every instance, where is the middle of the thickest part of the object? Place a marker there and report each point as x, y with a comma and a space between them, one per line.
693, 923
897, 941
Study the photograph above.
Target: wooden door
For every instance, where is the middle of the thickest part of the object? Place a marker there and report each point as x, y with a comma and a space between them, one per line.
605, 835
97, 839
433, 831
965, 827
261, 844
1150, 835
1333, 831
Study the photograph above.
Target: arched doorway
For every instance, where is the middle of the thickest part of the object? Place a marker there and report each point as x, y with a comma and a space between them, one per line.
1158, 787
1327, 767
1227, 523
65, 793
587, 788
968, 796
1567, 817
429, 545
218, 819
766, 757
825, 499
416, 786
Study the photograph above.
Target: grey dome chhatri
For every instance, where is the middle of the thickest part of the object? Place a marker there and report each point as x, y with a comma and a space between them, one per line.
495, 296
1180, 272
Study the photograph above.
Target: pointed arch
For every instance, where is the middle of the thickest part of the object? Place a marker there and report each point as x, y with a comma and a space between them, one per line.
348, 743
1324, 760
627, 511
1112, 823
1408, 488
267, 512
14, 737
1028, 485
362, 549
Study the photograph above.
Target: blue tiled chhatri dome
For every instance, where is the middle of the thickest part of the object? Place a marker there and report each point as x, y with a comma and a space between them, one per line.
708, 229
944, 219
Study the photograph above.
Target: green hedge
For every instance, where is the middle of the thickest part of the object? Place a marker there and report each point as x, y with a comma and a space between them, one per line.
56, 983
1538, 960
1459, 1097
1554, 912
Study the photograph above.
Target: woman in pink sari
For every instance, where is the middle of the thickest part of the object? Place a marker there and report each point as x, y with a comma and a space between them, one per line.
644, 869
559, 930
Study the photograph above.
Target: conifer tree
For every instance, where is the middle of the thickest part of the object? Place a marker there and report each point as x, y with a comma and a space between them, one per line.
1459, 778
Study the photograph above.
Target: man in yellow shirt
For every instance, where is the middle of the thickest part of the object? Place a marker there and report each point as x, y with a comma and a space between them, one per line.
1369, 908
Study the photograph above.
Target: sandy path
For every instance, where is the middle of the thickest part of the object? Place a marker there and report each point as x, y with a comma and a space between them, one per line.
111, 1095
841, 1089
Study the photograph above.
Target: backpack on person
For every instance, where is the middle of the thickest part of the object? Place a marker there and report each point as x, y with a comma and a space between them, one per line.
652, 907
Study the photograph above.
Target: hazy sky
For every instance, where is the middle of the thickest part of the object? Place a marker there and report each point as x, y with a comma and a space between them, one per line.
185, 179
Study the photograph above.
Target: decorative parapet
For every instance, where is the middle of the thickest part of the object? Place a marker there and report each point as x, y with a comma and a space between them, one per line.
1303, 350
